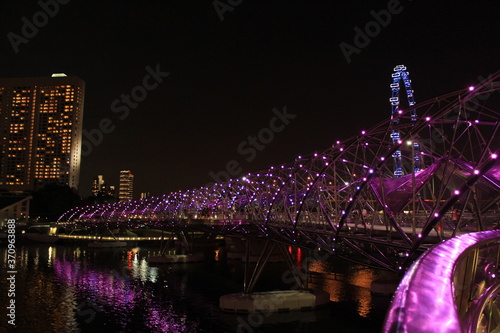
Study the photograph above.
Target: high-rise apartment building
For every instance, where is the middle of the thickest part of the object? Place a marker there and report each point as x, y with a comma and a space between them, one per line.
40, 131
126, 185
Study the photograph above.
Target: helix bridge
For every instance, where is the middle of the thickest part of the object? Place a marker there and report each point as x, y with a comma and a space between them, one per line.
428, 173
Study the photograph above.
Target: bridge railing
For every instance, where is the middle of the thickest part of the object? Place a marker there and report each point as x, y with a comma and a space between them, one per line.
453, 287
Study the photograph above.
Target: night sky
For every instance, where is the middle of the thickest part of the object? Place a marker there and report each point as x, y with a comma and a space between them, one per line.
226, 76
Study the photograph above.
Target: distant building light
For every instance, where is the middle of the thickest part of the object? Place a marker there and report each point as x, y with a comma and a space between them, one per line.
59, 75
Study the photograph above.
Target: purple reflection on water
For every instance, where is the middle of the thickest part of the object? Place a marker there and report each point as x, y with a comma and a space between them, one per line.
115, 292
110, 288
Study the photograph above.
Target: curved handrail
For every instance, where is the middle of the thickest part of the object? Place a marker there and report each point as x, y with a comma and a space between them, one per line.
481, 305
425, 299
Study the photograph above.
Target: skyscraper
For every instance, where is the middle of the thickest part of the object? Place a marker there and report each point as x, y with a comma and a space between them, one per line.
98, 185
40, 131
110, 190
126, 185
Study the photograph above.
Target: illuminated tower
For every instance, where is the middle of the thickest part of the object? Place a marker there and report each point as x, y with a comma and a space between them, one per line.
98, 185
126, 185
41, 131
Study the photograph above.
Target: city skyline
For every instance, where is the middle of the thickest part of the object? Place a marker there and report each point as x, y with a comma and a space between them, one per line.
183, 92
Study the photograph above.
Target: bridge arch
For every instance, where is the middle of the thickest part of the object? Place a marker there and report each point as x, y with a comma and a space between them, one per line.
346, 197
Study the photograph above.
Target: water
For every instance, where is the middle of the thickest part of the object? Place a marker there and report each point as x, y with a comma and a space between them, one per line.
71, 288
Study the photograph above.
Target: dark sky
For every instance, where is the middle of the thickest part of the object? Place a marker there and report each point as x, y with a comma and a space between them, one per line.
227, 76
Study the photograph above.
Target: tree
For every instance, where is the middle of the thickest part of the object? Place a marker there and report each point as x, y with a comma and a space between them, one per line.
52, 200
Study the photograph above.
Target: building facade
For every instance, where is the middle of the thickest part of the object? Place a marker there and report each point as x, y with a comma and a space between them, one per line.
126, 190
41, 131
14, 207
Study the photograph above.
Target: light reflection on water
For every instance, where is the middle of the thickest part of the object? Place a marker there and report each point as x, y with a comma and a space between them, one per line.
123, 293
357, 277
72, 288
65, 289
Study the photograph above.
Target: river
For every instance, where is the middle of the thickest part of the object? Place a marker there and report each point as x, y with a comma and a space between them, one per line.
72, 288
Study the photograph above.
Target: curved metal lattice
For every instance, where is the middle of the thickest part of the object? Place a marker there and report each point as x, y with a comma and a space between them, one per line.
346, 198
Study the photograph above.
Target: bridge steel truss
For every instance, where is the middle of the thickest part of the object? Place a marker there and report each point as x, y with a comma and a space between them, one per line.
345, 199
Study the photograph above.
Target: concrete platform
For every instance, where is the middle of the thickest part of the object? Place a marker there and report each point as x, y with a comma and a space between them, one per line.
275, 301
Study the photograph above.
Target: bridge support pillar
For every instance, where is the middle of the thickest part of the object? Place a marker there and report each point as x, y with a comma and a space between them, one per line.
271, 301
